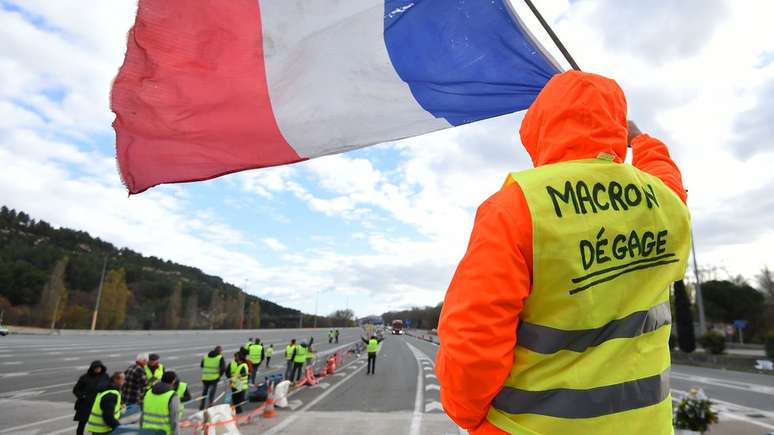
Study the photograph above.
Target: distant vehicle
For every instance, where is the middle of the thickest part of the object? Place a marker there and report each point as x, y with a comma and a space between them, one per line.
397, 327
3, 331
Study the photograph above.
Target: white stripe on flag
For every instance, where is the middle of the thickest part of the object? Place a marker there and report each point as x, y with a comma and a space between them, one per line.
331, 83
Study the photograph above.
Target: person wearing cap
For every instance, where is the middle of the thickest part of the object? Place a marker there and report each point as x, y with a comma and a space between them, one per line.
133, 389
161, 406
557, 320
153, 370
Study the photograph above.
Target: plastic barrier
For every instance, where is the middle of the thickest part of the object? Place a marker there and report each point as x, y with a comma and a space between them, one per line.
281, 394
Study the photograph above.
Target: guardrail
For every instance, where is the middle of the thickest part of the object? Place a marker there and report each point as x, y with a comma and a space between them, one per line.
29, 330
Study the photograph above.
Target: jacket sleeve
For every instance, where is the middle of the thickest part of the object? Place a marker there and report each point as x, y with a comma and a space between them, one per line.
477, 328
78, 388
174, 408
222, 366
652, 156
107, 405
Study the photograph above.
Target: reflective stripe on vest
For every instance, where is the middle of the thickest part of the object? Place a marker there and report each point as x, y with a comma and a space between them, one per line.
96, 424
255, 353
239, 376
289, 351
373, 345
211, 367
592, 351
153, 377
155, 411
300, 355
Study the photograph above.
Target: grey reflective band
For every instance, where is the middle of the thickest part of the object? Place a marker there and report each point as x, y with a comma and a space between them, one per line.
593, 402
545, 339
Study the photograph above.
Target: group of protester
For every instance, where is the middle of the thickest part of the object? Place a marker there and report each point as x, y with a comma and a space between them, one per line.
144, 385
158, 393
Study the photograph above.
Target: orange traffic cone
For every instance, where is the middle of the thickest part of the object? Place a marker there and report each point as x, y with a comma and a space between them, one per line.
310, 376
268, 409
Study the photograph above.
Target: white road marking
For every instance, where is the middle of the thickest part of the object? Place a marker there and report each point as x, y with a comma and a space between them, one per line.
12, 363
71, 358
429, 387
416, 418
294, 404
744, 386
323, 385
431, 375
433, 406
288, 421
25, 426
428, 368
339, 374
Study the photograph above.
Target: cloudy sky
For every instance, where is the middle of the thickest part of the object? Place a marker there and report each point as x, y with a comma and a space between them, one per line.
383, 228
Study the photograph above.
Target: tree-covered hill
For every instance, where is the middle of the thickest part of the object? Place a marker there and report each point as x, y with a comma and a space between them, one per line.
51, 276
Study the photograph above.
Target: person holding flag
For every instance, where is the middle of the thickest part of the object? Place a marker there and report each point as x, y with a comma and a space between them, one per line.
557, 319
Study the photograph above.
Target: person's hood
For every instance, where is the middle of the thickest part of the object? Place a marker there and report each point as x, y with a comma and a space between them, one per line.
161, 388
576, 116
213, 354
93, 366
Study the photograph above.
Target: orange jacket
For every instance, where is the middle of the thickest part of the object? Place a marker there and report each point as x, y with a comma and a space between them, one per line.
576, 116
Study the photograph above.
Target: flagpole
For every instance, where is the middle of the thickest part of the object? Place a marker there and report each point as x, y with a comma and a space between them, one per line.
553, 35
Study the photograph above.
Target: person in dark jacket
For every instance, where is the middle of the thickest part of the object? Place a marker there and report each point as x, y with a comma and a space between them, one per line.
107, 404
86, 389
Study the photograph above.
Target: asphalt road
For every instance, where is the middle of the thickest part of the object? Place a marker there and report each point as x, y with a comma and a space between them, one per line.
37, 374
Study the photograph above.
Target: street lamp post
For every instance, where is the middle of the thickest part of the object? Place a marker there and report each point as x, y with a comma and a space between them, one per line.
99, 295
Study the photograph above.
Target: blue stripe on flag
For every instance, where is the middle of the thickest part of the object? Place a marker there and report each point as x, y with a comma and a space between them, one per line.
464, 60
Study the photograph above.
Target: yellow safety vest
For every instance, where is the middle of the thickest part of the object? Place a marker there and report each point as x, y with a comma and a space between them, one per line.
255, 353
592, 352
289, 351
269, 352
211, 367
155, 411
300, 355
373, 345
239, 376
153, 377
96, 423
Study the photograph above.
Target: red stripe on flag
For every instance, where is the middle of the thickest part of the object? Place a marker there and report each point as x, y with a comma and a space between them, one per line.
191, 99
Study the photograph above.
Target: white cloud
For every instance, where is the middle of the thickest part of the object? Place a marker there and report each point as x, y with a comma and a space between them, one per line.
274, 244
696, 76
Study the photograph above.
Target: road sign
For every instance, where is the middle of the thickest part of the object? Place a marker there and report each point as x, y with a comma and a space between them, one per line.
740, 324
407, 322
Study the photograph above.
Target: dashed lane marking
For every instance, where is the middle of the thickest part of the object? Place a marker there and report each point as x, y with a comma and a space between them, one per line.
433, 406
430, 375
435, 387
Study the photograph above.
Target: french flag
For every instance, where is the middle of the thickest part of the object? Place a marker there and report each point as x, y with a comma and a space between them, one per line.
210, 87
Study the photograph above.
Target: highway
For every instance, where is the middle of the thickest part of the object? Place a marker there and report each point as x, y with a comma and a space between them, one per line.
37, 374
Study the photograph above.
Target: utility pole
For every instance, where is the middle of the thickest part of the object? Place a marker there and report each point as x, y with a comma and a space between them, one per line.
242, 311
316, 300
99, 295
699, 299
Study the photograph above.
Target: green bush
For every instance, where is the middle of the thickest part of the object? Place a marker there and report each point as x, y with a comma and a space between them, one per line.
713, 343
770, 345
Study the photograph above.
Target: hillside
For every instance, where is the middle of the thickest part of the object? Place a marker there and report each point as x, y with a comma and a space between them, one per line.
52, 274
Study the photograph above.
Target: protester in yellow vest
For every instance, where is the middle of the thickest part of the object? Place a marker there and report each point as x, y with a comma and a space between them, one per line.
299, 359
107, 407
153, 370
269, 354
557, 318
255, 355
161, 406
213, 367
290, 351
238, 374
372, 346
